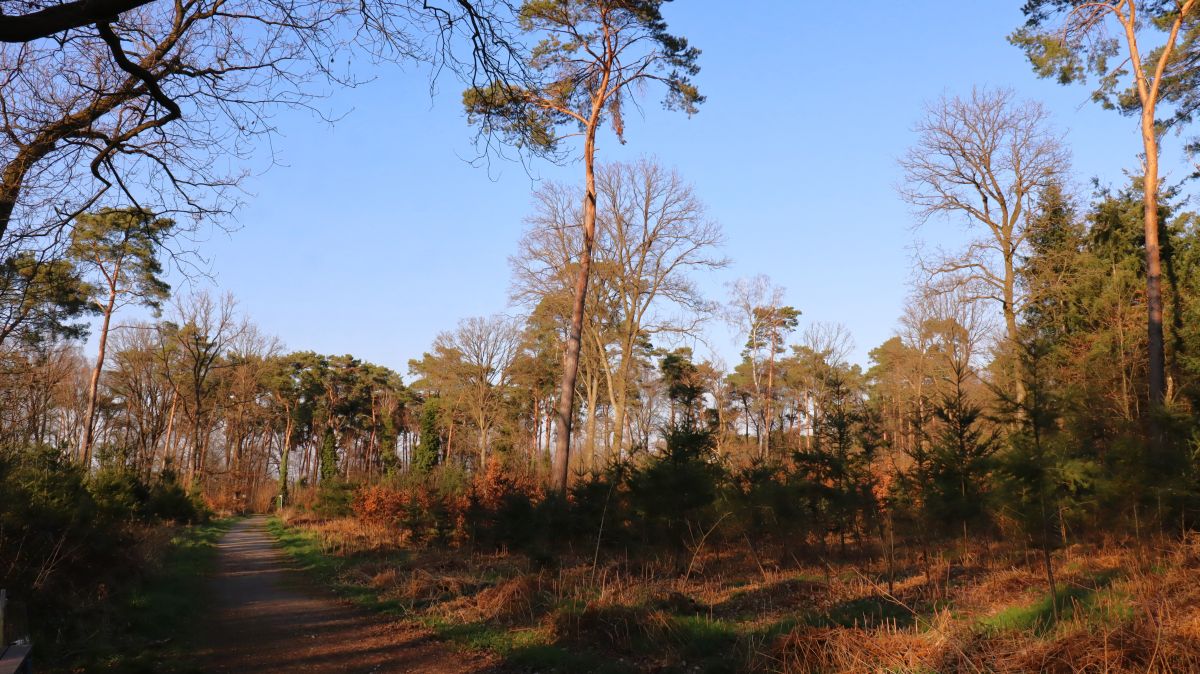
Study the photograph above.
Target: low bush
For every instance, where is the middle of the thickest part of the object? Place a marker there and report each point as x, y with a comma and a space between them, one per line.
67, 539
335, 498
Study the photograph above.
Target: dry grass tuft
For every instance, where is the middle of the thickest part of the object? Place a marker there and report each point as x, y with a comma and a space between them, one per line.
614, 627
845, 650
384, 579
515, 601
1141, 647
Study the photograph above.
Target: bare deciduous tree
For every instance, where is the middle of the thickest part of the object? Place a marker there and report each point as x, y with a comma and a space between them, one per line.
151, 106
652, 234
471, 367
36, 20
161, 103
985, 159
194, 338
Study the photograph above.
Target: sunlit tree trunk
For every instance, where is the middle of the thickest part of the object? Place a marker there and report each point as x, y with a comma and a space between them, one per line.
1154, 302
89, 417
566, 397
285, 451
1148, 95
593, 398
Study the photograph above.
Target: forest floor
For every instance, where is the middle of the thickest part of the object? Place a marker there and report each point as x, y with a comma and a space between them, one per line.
266, 617
1119, 608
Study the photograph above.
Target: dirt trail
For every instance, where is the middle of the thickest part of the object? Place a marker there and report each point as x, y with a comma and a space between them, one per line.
267, 620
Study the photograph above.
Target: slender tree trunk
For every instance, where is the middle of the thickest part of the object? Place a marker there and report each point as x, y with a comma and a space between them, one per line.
1148, 94
606, 433
548, 428
619, 403
593, 397
535, 435
566, 398
89, 418
746, 421
1048, 561
304, 471
1010, 324
197, 458
284, 453
483, 440
1154, 304
167, 453
891, 553
369, 459
768, 412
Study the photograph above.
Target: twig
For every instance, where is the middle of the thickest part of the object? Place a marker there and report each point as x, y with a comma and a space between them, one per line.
600, 531
700, 546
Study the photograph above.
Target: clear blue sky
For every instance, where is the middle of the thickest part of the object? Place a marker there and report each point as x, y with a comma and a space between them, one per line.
376, 234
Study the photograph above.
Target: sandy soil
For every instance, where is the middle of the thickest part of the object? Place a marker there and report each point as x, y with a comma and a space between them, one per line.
266, 619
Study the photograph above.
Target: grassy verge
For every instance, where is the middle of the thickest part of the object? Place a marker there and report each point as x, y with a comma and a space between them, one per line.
521, 648
151, 626
304, 547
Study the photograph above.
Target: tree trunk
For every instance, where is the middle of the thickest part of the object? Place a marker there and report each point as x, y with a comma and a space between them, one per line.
1010, 325
548, 428
483, 440
619, 402
566, 398
284, 453
1047, 561
593, 395
1148, 93
535, 435
89, 419
1157, 373
197, 399
768, 412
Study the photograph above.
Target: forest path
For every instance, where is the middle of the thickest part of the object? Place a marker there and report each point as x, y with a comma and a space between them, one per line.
267, 617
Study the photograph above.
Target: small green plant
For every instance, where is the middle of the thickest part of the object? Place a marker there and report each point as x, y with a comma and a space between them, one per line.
334, 498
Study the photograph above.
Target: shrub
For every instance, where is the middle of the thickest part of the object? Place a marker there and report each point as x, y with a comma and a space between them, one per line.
420, 510
335, 498
119, 495
598, 507
169, 501
763, 501
57, 547
503, 509
673, 495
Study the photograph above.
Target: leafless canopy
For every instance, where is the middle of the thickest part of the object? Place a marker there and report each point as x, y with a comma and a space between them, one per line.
832, 341
652, 236
162, 106
652, 232
983, 159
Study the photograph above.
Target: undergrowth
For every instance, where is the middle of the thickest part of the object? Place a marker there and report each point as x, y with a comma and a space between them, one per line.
726, 614
150, 626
